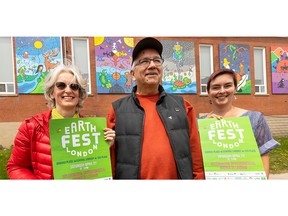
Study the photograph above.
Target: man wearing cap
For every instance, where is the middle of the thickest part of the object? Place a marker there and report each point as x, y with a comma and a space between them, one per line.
156, 132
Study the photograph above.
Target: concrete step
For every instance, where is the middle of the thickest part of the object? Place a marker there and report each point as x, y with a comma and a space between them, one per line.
278, 125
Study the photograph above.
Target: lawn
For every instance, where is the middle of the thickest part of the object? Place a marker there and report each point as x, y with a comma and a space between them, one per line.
278, 158
4, 156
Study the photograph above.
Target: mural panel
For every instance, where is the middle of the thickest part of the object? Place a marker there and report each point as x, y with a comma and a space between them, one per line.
179, 70
113, 63
35, 58
237, 58
279, 68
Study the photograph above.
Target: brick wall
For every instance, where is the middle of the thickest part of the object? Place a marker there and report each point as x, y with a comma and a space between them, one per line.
16, 108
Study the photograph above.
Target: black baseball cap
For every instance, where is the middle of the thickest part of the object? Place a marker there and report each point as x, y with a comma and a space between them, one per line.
147, 43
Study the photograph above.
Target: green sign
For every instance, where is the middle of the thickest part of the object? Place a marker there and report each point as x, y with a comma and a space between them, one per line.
229, 149
79, 150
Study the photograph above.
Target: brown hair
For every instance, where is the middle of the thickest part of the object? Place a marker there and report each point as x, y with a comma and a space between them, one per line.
219, 72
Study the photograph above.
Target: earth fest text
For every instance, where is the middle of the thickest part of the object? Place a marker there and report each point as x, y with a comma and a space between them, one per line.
71, 139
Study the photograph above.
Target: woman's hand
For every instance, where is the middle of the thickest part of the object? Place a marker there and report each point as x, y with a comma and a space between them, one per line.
109, 136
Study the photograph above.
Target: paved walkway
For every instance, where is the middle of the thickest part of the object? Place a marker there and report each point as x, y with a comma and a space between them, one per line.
8, 131
282, 176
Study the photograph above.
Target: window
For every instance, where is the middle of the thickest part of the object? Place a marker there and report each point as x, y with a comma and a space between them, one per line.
7, 77
260, 70
206, 65
81, 58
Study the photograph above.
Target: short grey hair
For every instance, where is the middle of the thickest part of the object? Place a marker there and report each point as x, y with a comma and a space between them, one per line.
51, 78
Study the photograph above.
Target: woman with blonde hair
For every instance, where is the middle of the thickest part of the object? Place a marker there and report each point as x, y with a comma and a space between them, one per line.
65, 91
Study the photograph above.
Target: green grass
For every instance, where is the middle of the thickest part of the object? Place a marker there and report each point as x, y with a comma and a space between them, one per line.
4, 156
278, 158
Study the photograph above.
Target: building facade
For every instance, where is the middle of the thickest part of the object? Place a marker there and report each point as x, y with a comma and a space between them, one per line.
257, 57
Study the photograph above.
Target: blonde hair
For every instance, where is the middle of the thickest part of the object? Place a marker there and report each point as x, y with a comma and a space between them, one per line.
51, 78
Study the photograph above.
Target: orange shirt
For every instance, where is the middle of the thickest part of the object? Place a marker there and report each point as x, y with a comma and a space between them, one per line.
157, 156
157, 160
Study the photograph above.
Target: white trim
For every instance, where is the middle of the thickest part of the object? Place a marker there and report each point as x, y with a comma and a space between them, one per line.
262, 89
89, 91
210, 46
13, 73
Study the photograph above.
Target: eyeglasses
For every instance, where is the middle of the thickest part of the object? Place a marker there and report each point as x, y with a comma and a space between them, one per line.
62, 86
147, 61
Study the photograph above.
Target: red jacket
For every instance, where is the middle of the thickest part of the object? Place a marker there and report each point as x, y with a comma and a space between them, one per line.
31, 154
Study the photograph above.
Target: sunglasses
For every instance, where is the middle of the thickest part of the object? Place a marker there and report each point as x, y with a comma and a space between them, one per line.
62, 86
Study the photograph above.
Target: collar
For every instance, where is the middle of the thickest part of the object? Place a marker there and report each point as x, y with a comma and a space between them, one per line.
57, 115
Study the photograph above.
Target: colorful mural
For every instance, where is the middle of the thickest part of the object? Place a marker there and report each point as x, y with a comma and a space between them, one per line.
237, 58
35, 58
279, 68
179, 70
113, 63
